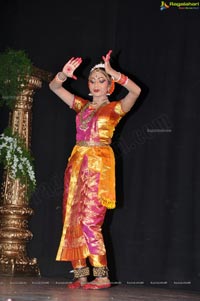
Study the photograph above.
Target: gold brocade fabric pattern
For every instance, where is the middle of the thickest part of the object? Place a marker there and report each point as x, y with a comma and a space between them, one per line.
89, 183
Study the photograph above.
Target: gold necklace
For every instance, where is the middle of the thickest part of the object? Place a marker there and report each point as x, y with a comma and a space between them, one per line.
96, 103
84, 122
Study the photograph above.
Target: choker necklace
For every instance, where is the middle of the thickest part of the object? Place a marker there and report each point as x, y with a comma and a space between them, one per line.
84, 122
96, 103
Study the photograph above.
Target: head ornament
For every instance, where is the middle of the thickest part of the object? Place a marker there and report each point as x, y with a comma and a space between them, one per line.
100, 65
112, 83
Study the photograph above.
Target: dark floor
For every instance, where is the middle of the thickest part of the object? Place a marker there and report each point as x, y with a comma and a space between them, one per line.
42, 289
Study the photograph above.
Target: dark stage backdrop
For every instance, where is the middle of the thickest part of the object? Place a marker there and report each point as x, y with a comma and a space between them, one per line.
154, 233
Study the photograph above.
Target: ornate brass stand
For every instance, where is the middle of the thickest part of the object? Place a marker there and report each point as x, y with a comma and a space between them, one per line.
14, 209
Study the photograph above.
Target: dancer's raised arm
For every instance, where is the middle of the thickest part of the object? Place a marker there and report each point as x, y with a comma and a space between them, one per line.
133, 89
67, 71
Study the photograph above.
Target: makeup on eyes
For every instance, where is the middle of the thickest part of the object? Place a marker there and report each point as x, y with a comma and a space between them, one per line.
101, 80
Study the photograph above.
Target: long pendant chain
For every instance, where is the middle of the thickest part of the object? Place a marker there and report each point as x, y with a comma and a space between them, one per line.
84, 122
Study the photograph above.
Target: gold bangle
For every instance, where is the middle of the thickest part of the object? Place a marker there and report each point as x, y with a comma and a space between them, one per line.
61, 76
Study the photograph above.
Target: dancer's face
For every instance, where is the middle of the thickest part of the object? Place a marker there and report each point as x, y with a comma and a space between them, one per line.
98, 83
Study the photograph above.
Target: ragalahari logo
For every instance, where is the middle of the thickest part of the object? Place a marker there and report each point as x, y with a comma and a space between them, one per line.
179, 5
164, 5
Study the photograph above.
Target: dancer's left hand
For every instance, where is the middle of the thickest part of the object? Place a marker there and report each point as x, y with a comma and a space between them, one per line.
106, 59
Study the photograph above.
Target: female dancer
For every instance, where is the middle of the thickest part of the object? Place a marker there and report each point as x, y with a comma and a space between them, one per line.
89, 182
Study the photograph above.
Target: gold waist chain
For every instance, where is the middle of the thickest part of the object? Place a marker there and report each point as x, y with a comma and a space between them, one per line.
91, 143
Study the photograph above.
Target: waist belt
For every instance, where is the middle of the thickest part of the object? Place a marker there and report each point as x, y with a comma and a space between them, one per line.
91, 143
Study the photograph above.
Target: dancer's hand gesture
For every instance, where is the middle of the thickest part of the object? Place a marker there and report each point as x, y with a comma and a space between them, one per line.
106, 59
71, 66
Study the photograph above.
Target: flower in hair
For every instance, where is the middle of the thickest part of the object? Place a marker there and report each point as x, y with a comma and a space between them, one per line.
100, 65
112, 87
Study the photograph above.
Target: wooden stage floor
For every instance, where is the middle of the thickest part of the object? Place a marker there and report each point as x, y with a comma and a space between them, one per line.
51, 289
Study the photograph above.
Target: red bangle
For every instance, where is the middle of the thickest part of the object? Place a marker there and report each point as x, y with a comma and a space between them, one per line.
122, 80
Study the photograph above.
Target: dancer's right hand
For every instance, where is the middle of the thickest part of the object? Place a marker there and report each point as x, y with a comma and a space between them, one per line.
71, 66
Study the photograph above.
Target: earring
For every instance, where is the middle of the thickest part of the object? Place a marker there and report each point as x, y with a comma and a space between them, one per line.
90, 94
108, 94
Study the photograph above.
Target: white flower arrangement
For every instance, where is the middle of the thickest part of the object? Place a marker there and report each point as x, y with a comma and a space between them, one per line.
15, 156
100, 65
